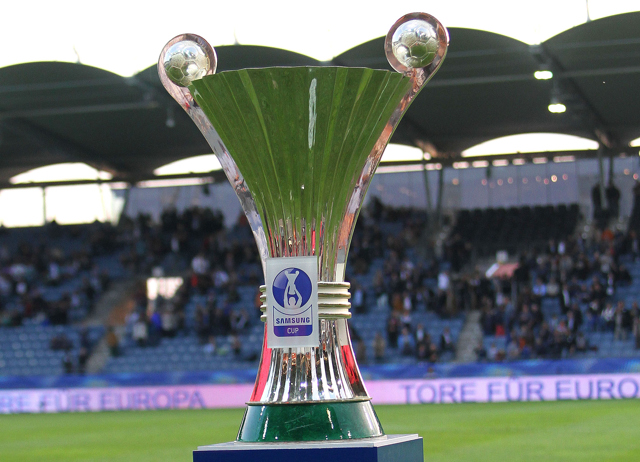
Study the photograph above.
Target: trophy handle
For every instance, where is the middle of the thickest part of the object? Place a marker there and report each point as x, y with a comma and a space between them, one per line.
419, 76
183, 97
180, 92
427, 69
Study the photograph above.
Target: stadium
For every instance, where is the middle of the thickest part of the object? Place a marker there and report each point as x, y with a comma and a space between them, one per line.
493, 270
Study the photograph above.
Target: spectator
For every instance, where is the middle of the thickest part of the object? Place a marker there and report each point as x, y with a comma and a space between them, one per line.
421, 335
236, 346
406, 343
414, 285
239, 320
202, 323
210, 348
67, 363
155, 328
393, 330
492, 352
608, 317
443, 281
446, 341
358, 302
513, 349
596, 202
423, 353
140, 332
361, 351
624, 277
200, 265
433, 352
83, 357
169, 322
480, 351
539, 289
582, 345
406, 319
379, 347
619, 320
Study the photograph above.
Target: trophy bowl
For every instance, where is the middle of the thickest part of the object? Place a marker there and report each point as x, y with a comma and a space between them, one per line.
300, 146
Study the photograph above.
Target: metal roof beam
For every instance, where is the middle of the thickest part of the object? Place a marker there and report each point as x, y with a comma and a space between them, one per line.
50, 141
71, 84
89, 109
448, 161
216, 176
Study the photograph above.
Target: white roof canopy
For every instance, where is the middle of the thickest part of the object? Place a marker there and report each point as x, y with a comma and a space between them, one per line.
126, 36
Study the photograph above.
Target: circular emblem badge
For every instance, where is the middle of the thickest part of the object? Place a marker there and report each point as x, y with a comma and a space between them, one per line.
292, 289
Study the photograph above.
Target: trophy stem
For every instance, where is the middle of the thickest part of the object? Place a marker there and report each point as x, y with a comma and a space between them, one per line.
303, 139
320, 389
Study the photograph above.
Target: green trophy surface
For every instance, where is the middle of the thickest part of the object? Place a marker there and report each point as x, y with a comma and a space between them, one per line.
309, 422
302, 138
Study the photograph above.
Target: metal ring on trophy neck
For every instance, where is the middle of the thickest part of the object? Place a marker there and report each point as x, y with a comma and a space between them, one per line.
333, 300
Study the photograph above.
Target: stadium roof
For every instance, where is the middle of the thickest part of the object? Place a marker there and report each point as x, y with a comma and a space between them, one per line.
486, 89
54, 112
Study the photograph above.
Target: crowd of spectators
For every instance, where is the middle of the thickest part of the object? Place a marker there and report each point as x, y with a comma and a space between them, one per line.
581, 273
33, 265
214, 262
194, 239
413, 340
407, 281
580, 276
418, 274
218, 261
49, 277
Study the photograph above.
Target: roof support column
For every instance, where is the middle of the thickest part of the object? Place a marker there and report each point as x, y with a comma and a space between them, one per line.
439, 198
127, 195
427, 189
44, 205
611, 160
598, 215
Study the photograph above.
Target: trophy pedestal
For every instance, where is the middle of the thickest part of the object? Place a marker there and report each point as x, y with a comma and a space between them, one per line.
389, 448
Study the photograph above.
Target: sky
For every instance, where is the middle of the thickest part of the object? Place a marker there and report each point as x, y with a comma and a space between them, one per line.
127, 36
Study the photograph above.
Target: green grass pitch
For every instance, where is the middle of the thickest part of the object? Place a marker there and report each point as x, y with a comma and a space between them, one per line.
550, 431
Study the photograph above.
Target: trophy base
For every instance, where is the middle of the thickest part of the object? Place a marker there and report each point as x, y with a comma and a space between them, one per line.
391, 448
319, 421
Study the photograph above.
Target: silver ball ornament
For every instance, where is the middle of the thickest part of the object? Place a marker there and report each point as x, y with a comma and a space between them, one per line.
185, 62
415, 43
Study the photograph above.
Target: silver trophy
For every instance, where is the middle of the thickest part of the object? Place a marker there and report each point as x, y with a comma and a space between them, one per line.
300, 145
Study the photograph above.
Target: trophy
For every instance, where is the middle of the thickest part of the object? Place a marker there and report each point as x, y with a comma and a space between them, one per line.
300, 145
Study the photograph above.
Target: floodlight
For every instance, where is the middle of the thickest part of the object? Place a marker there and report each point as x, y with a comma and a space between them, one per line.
543, 75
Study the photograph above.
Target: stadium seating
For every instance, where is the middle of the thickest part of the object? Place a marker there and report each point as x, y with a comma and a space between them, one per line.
51, 308
515, 229
185, 353
26, 350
